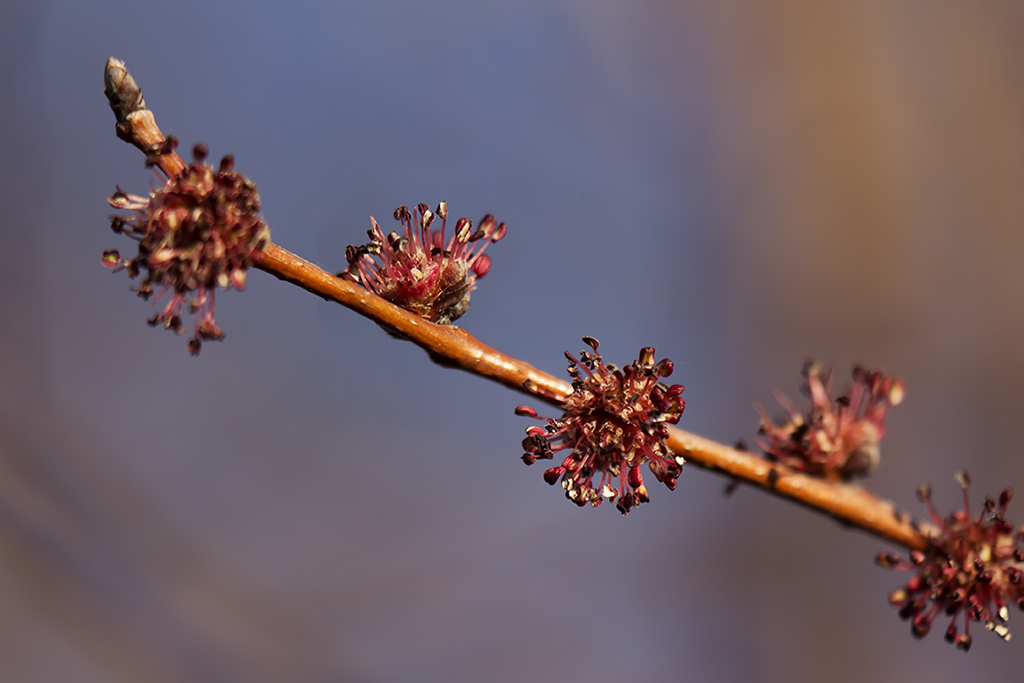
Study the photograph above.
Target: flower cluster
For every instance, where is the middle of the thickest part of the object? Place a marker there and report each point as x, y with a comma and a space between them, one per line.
614, 421
420, 270
199, 231
836, 440
972, 567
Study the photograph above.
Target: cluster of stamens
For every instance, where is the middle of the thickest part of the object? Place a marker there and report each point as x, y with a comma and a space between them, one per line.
199, 231
973, 568
614, 421
836, 440
420, 269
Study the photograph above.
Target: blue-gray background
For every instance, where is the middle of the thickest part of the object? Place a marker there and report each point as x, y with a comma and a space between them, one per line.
740, 184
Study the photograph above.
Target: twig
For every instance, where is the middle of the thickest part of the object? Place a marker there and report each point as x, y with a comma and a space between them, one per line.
136, 124
849, 504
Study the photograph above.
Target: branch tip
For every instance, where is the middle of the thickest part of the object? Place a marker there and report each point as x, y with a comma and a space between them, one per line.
122, 91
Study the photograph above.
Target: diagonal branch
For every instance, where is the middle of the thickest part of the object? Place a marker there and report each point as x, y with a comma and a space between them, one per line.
450, 346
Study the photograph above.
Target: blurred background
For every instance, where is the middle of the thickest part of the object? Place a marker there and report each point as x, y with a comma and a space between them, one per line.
741, 184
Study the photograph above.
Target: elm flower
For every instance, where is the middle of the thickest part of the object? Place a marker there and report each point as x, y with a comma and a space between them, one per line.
835, 440
199, 231
614, 421
973, 567
420, 269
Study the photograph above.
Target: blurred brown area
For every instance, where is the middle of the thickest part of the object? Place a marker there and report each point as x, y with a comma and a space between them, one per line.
741, 184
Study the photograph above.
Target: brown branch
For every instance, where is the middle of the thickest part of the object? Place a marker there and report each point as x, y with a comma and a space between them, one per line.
451, 346
447, 345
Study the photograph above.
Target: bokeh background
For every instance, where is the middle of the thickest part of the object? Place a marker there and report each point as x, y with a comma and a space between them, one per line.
742, 184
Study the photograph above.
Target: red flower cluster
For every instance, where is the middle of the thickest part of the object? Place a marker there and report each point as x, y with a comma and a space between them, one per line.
615, 421
836, 441
419, 269
972, 567
199, 231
